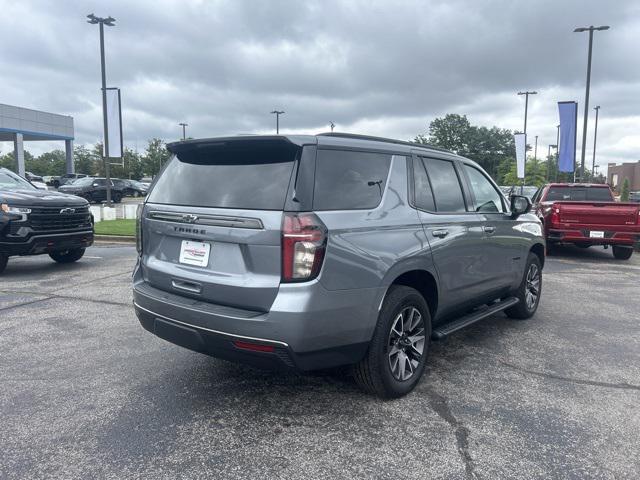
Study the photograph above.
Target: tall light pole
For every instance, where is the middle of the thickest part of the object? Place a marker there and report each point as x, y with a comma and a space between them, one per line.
590, 29
549, 160
109, 21
526, 109
332, 125
535, 150
595, 137
277, 114
184, 130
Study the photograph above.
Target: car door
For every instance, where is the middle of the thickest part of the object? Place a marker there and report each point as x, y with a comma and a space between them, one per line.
99, 192
455, 234
503, 245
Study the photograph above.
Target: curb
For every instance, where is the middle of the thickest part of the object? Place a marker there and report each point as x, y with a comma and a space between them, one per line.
115, 239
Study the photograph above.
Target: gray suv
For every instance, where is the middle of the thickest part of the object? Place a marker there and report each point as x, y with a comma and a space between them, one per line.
310, 252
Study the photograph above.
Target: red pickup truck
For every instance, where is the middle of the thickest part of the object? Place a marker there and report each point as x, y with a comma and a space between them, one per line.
585, 215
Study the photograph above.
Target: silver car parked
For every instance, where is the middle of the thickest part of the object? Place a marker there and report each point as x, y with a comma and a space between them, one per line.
309, 252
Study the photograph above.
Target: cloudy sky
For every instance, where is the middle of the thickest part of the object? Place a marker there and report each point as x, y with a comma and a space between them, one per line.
374, 67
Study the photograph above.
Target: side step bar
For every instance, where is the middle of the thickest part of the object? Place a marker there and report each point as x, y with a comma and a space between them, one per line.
448, 328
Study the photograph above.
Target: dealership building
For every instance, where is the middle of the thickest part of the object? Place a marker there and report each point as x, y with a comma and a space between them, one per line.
19, 125
617, 173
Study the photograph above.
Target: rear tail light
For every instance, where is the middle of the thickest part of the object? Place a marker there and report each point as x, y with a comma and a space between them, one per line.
139, 228
555, 215
304, 239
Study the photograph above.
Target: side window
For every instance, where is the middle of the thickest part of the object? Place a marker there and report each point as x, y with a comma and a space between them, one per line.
349, 180
446, 185
488, 200
101, 182
422, 187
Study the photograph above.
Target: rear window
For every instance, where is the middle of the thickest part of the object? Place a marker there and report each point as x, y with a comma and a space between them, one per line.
579, 194
237, 177
347, 180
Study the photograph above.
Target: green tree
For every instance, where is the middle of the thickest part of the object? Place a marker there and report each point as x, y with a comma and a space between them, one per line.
84, 160
493, 148
155, 156
624, 196
48, 163
536, 173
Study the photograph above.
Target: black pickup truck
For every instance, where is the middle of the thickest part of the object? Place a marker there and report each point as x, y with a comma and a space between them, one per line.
34, 222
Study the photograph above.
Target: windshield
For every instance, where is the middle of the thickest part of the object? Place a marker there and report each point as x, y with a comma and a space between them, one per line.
579, 194
11, 181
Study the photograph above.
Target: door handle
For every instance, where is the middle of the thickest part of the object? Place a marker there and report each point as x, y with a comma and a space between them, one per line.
440, 233
489, 229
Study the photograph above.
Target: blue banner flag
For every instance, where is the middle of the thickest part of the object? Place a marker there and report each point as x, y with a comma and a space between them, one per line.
568, 125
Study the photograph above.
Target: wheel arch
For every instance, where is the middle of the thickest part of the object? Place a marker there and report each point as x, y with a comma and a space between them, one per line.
423, 280
538, 249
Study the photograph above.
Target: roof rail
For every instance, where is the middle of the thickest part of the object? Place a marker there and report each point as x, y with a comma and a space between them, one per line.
382, 139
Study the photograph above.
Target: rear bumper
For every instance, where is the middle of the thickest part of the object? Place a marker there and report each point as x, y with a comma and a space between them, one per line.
299, 331
624, 236
45, 243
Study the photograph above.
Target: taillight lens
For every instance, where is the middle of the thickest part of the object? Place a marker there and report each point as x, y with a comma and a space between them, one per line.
555, 215
304, 239
139, 228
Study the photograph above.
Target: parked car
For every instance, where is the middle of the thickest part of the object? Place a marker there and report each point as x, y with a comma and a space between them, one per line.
586, 215
527, 190
133, 188
34, 222
310, 252
93, 189
66, 178
36, 180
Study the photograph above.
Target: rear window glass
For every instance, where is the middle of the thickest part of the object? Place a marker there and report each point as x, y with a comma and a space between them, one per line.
579, 194
348, 180
245, 178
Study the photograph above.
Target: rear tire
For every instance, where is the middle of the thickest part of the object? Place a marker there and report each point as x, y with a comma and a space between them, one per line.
622, 253
529, 291
117, 198
67, 256
3, 262
396, 358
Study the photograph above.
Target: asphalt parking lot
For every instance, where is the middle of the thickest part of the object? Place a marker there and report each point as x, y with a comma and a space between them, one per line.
85, 392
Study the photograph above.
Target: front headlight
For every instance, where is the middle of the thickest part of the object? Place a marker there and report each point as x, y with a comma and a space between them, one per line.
17, 210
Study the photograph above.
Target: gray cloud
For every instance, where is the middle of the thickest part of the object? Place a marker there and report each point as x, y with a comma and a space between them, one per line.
384, 68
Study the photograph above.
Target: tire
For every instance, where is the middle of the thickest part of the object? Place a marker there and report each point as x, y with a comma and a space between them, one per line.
67, 256
525, 308
622, 253
3, 262
117, 198
56, 184
380, 371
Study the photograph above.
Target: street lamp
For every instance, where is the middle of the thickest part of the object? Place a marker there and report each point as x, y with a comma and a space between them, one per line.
332, 125
184, 130
590, 29
526, 108
277, 114
549, 160
109, 21
595, 137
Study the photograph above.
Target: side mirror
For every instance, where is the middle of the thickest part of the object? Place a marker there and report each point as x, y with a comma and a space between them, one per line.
519, 205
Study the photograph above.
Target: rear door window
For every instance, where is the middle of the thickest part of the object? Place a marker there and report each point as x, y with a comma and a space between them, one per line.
243, 178
347, 180
445, 183
423, 194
